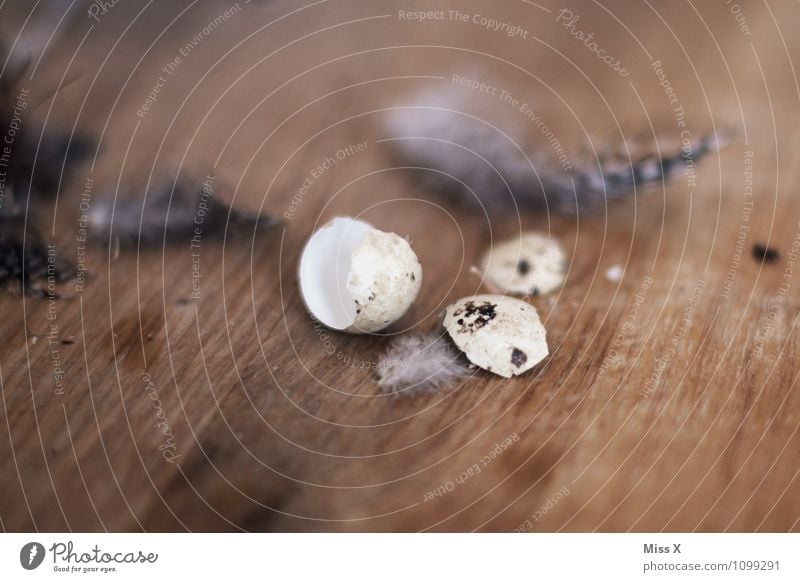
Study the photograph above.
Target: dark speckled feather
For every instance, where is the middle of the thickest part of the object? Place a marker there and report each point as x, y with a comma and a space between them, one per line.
170, 214
457, 152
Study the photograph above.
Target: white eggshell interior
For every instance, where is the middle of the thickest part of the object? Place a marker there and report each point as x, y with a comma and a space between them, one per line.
325, 271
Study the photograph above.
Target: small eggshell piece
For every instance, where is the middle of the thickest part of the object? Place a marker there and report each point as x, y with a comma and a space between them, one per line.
500, 334
531, 264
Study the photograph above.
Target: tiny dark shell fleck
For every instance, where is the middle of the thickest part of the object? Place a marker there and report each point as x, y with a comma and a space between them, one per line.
518, 357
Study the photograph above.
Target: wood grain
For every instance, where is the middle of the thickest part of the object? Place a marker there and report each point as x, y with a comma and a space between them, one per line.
669, 401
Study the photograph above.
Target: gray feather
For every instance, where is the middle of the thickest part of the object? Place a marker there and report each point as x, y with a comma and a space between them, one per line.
458, 152
172, 213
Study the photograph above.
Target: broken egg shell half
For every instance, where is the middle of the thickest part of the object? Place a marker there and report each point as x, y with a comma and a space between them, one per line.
356, 278
500, 334
531, 264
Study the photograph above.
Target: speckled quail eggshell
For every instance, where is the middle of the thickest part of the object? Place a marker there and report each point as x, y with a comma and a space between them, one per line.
500, 334
531, 264
356, 278
385, 279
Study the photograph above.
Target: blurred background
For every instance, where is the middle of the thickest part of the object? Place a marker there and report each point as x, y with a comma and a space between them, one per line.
186, 388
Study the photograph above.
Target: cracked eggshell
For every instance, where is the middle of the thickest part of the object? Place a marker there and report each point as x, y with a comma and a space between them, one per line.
500, 334
531, 264
356, 278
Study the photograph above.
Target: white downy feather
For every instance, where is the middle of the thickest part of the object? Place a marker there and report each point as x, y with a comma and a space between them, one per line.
421, 362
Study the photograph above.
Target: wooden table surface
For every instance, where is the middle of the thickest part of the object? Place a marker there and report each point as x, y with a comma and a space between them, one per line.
669, 401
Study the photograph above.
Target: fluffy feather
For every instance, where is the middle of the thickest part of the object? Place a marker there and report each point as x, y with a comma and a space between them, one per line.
420, 362
462, 153
170, 214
